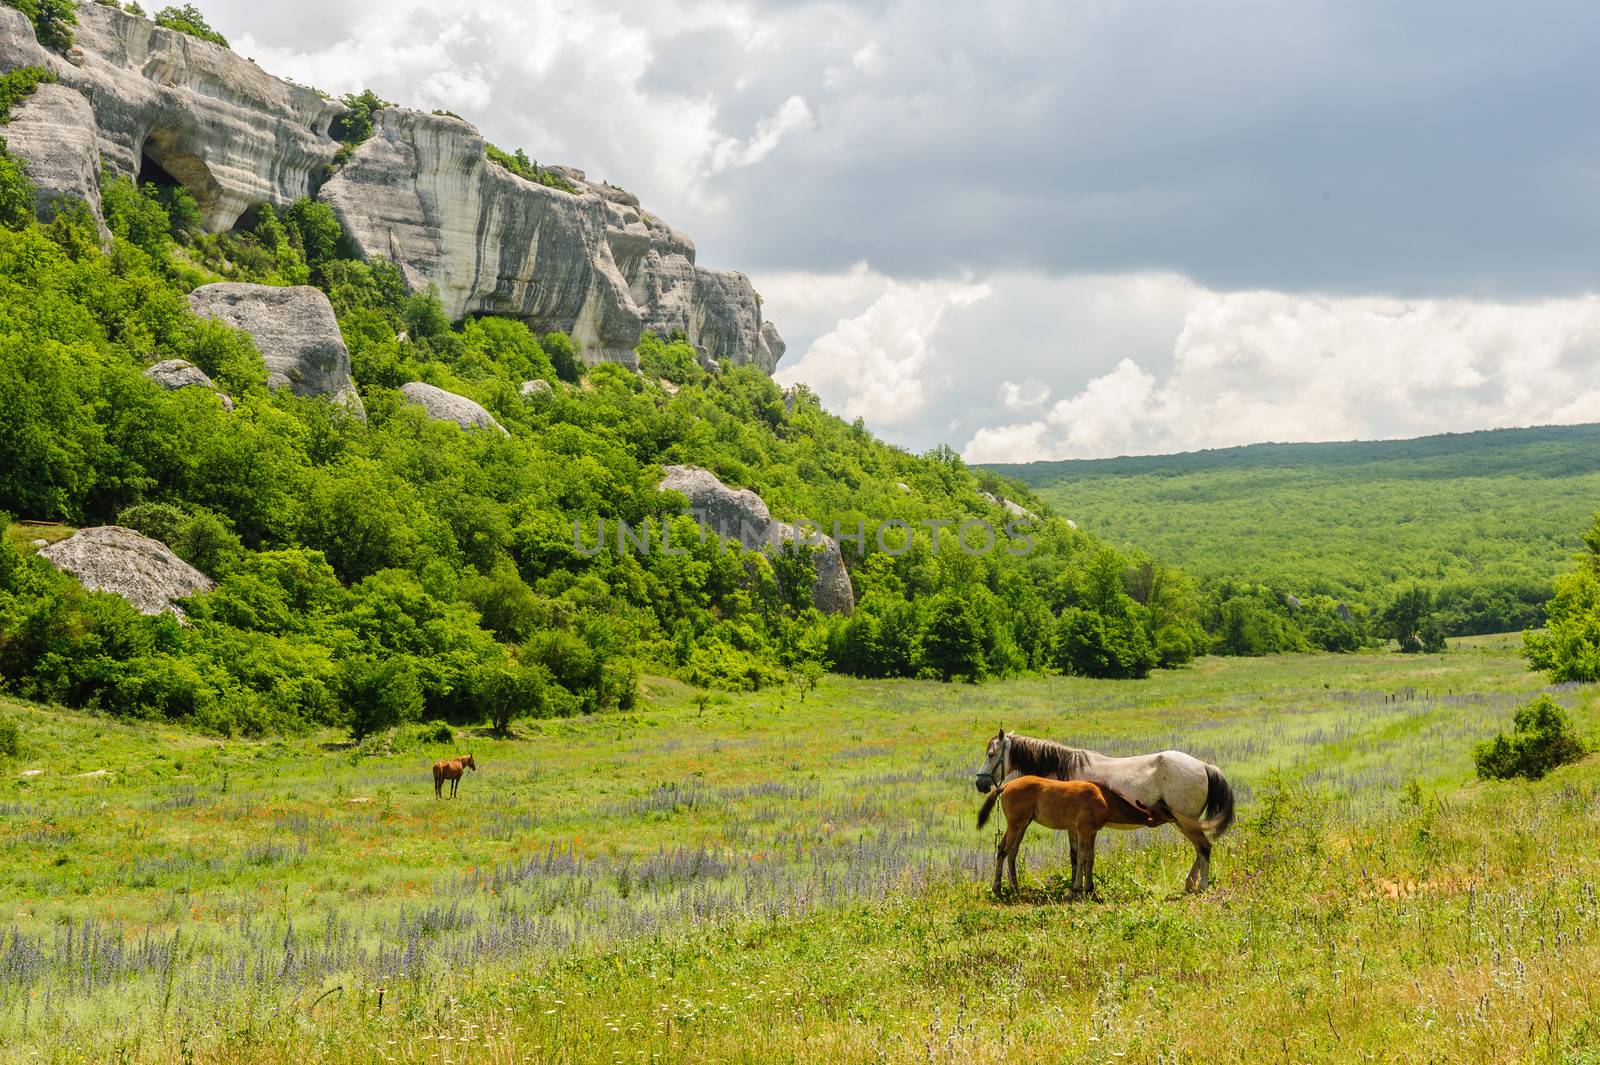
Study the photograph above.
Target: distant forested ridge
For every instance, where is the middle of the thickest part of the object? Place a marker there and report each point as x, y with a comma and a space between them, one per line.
1481, 520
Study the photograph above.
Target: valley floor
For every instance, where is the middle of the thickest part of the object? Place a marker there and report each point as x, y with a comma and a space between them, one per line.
771, 879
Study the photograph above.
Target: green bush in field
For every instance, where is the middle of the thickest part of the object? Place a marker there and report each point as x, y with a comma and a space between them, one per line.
1542, 737
10, 738
436, 732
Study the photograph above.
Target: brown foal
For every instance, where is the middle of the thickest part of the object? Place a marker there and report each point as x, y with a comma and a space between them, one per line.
1076, 806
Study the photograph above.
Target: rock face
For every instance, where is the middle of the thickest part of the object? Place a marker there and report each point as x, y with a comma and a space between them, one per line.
448, 407
109, 558
422, 192
740, 514
531, 389
158, 104
295, 331
232, 134
173, 374
53, 129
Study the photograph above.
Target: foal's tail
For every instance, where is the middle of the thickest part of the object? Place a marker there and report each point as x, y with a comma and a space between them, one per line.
1219, 803
988, 806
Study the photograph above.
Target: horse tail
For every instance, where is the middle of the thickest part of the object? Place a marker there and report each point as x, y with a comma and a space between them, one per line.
1219, 803
988, 806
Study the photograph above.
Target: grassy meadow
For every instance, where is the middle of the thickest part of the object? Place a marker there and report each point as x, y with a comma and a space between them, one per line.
770, 879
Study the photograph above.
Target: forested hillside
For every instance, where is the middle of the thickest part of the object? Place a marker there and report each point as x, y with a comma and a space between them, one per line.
1483, 520
399, 567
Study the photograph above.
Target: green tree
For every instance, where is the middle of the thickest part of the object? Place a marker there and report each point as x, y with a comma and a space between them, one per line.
316, 230
1568, 648
378, 693
951, 641
1408, 620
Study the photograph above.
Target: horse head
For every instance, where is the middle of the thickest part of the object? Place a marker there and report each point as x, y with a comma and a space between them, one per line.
469, 763
993, 770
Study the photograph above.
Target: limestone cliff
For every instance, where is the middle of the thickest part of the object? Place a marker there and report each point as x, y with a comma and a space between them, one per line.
147, 102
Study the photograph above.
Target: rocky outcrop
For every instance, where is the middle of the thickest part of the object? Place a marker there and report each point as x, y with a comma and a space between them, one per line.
173, 374
232, 134
109, 558
535, 389
295, 331
422, 193
740, 514
445, 406
1015, 509
54, 130
156, 103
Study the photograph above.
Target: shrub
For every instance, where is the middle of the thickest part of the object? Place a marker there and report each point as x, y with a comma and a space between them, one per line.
354, 126
17, 85
52, 20
436, 732
10, 738
519, 164
1542, 738
188, 19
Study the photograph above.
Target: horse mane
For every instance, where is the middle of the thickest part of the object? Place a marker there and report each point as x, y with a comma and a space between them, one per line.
1046, 758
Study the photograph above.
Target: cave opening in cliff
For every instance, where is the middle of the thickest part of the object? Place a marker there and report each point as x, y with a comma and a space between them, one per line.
153, 173
167, 162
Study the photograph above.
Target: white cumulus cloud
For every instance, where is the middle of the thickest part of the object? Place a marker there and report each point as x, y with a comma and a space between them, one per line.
1256, 366
875, 365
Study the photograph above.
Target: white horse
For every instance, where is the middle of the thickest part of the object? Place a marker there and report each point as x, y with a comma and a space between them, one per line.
1196, 794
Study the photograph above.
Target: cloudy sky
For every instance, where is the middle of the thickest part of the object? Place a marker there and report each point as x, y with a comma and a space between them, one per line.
1054, 230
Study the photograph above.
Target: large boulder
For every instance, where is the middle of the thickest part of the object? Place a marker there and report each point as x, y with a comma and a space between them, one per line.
449, 407
740, 514
295, 331
109, 558
173, 374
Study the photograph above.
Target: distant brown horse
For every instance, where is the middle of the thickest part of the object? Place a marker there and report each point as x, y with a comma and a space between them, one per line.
450, 769
1076, 806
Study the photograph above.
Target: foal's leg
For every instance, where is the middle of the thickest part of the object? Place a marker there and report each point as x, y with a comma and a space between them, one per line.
1007, 850
1200, 872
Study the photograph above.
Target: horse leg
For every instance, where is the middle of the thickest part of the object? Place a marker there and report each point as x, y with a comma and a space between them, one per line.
1088, 864
438, 785
1200, 872
1011, 856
